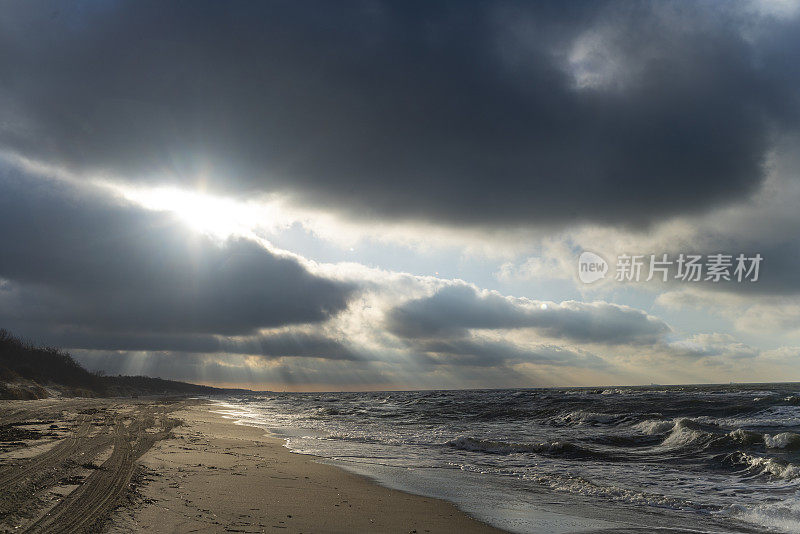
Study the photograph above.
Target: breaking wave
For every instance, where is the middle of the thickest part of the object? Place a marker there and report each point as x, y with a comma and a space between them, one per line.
556, 448
758, 466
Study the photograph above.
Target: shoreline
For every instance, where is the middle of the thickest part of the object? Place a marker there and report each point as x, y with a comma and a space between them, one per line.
173, 465
215, 475
182, 465
466, 492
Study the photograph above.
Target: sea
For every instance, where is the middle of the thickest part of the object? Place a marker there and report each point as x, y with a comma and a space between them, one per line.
704, 458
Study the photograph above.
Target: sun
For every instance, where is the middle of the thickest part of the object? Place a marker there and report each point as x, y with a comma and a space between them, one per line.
205, 213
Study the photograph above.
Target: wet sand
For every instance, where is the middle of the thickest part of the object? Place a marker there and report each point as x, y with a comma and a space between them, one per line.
175, 466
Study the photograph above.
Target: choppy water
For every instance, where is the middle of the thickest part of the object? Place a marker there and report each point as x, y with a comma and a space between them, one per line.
693, 458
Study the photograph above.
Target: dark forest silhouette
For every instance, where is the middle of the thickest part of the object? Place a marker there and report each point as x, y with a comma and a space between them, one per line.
26, 370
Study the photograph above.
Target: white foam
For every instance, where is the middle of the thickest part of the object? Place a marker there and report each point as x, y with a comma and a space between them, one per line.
684, 433
781, 517
654, 426
581, 486
746, 437
583, 417
769, 466
784, 440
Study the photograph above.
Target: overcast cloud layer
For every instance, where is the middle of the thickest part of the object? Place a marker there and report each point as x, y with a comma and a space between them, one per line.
527, 131
497, 113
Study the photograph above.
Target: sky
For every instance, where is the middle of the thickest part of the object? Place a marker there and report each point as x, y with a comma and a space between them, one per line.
299, 195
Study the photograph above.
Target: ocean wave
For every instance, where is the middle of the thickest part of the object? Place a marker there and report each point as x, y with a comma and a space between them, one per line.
580, 486
687, 432
745, 437
626, 441
784, 440
583, 417
778, 517
774, 416
556, 448
720, 452
654, 426
758, 465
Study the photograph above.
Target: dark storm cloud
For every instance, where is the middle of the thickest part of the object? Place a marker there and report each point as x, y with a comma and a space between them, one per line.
463, 112
456, 309
77, 262
777, 270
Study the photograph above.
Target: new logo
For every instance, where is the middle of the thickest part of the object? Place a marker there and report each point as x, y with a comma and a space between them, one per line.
591, 267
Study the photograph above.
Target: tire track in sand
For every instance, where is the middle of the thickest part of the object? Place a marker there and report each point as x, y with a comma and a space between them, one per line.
84, 509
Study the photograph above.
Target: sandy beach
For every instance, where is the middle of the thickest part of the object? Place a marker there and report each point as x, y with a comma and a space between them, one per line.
116, 465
